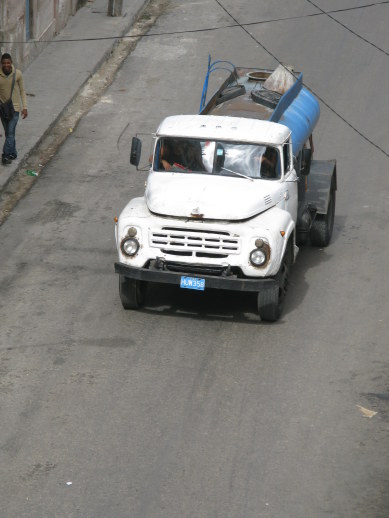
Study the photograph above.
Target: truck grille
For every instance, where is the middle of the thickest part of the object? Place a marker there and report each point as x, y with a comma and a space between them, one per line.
193, 242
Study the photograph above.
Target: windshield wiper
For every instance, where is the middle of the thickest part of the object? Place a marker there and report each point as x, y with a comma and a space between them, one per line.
237, 174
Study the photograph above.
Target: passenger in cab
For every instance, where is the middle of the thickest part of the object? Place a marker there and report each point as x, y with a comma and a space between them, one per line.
165, 156
192, 155
269, 163
180, 155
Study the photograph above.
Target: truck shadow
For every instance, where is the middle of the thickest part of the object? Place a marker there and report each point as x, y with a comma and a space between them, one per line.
169, 300
207, 305
308, 257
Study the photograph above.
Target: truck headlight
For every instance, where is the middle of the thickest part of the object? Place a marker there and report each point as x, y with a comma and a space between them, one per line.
129, 246
258, 257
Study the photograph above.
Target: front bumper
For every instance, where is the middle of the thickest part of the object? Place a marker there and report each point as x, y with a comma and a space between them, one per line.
154, 274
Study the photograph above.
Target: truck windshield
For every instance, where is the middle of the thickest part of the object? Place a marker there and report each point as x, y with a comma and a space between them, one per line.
217, 157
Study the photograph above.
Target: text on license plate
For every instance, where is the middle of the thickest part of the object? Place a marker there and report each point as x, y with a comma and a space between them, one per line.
192, 283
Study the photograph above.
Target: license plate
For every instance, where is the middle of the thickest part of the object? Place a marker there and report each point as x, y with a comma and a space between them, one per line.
192, 283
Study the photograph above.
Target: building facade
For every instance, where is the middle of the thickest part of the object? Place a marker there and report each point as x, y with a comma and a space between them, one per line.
25, 25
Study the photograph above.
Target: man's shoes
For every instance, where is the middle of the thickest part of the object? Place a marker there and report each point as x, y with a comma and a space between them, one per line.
6, 161
12, 157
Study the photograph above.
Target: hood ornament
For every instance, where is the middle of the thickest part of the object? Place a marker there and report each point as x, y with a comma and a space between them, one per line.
196, 213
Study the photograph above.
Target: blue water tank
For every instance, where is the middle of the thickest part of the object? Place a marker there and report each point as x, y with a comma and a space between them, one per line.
299, 110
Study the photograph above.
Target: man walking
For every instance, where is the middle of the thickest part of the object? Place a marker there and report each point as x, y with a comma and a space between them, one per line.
19, 100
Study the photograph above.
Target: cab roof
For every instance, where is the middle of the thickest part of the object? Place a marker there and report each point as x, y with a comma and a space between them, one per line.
235, 129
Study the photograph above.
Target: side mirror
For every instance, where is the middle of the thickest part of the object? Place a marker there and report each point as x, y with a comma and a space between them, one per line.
306, 161
136, 150
295, 163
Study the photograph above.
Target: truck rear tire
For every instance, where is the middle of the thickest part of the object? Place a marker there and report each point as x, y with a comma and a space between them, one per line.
131, 292
323, 224
271, 300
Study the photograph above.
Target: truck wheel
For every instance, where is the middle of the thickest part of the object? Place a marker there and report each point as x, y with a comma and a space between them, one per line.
323, 224
271, 300
131, 292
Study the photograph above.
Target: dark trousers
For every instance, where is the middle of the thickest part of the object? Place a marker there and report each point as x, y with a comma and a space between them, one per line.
9, 147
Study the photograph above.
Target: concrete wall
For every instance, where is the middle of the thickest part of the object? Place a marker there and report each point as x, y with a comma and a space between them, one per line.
12, 27
23, 32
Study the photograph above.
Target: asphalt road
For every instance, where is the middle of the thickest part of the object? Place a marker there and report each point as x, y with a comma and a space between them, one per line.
191, 407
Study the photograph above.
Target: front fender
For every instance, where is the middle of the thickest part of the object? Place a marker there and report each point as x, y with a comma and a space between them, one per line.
278, 225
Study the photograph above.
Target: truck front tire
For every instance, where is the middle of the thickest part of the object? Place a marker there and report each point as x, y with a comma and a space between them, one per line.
271, 300
131, 292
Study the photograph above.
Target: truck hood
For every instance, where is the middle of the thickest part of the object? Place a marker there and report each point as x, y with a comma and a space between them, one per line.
211, 197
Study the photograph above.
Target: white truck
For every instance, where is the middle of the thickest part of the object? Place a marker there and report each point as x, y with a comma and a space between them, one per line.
231, 194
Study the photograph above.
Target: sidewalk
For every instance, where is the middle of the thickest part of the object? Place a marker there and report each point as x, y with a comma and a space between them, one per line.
53, 79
